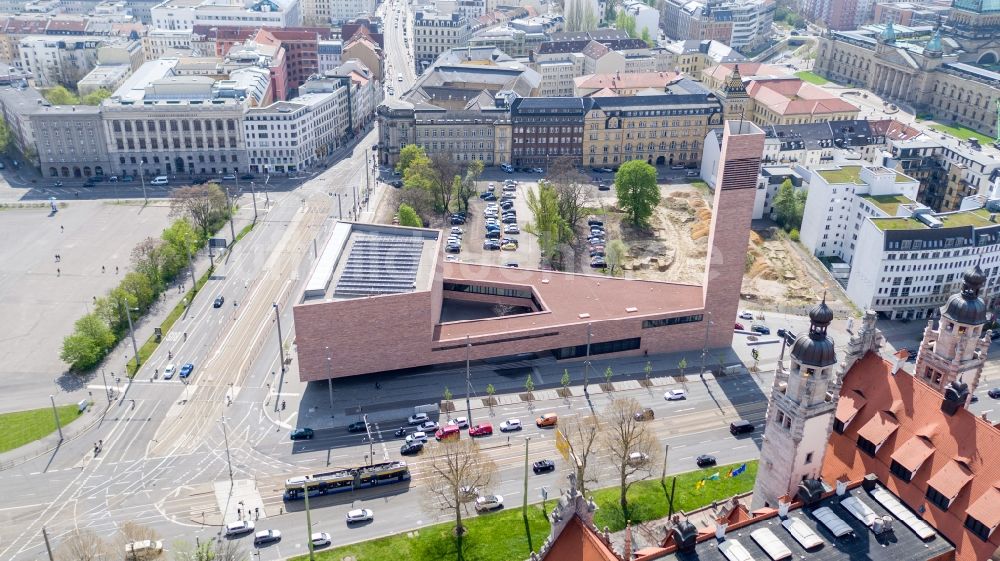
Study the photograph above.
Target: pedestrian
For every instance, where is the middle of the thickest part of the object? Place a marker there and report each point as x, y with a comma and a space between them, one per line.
239, 513
256, 513
58, 272
102, 269
62, 229
116, 269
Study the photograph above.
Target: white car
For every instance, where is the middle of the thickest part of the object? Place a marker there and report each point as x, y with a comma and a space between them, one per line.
418, 436
489, 502
675, 395
456, 231
746, 315
510, 425
417, 418
462, 422
321, 539
169, 371
360, 515
239, 527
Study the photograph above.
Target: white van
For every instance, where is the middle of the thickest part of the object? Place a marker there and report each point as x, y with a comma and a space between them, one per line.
159, 180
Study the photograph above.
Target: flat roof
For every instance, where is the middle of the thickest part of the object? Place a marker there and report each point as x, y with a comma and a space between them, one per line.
979, 218
861, 543
362, 260
568, 298
888, 203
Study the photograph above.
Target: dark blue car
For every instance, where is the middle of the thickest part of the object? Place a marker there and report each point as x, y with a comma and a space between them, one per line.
186, 370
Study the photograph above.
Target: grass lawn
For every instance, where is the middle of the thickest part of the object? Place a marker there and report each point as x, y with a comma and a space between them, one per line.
811, 77
22, 427
498, 536
647, 500
962, 133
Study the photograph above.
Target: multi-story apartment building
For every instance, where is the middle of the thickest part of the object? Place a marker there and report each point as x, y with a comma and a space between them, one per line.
741, 24
841, 197
289, 136
65, 60
544, 128
160, 124
263, 51
186, 14
17, 104
435, 33
692, 56
330, 53
362, 48
914, 257
511, 40
666, 129
559, 62
70, 141
162, 43
336, 12
949, 170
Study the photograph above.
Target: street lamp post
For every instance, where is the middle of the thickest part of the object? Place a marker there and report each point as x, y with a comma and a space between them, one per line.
225, 437
232, 229
281, 350
704, 347
468, 380
142, 179
135, 348
253, 195
55, 413
586, 363
329, 377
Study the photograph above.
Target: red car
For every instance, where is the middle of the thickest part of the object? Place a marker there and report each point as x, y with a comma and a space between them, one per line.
485, 429
738, 326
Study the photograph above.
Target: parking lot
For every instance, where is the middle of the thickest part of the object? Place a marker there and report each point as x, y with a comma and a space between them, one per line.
527, 253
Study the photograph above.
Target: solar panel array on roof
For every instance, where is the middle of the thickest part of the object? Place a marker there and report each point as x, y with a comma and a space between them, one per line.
832, 522
380, 264
902, 512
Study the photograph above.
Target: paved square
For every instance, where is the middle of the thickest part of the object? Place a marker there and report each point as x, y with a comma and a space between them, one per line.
42, 298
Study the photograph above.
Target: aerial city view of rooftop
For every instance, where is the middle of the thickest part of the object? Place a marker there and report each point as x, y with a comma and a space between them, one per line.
541, 280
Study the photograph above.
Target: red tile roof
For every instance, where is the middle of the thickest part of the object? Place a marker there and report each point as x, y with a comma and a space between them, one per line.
848, 406
913, 453
576, 542
878, 428
950, 479
792, 96
960, 436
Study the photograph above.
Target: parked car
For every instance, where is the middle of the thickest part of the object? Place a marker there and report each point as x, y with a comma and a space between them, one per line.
676, 167
543, 466
302, 433
762, 329
491, 245
547, 420
738, 325
247, 177
603, 187
453, 248
186, 370
598, 263
219, 301
448, 431
483, 429
239, 528
705, 460
746, 315
169, 371
509, 219
321, 539
510, 425
513, 229
675, 395
266, 537
360, 515
646, 414
417, 418
143, 549
457, 220
489, 502
456, 231
359, 426
460, 422
994, 393
409, 448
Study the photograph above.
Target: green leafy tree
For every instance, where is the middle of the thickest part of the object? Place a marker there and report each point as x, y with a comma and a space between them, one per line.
447, 394
88, 344
529, 384
614, 255
648, 369
682, 365
59, 95
204, 205
637, 191
548, 226
626, 23
490, 392
608, 373
407, 155
789, 205
4, 135
645, 36
139, 291
565, 378
409, 217
95, 97
467, 186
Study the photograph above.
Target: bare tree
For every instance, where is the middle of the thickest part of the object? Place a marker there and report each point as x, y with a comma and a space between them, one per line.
202, 204
630, 444
149, 257
222, 550
615, 255
580, 435
458, 470
443, 179
82, 545
571, 189
467, 188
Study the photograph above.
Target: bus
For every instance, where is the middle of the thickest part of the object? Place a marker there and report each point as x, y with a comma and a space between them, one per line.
346, 480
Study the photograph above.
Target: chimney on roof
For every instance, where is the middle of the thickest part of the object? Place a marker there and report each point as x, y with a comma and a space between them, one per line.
955, 395
783, 505
720, 530
686, 535
841, 488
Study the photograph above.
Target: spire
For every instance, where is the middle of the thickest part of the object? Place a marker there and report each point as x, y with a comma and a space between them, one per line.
888, 34
816, 349
967, 307
734, 82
